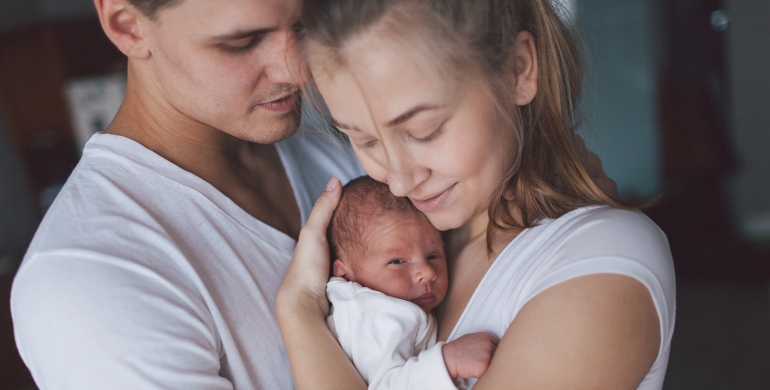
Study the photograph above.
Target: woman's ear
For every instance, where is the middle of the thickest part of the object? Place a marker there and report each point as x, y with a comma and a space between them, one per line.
525, 68
341, 270
121, 23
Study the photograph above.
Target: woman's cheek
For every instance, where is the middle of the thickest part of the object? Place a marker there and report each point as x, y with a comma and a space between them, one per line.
374, 169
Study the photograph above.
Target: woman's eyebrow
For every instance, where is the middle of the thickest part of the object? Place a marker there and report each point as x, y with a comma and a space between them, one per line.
341, 126
399, 120
414, 111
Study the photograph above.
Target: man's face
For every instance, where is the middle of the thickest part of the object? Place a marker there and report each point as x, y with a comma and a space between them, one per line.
228, 64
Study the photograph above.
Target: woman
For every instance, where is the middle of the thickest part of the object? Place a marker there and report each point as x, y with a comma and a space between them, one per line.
465, 107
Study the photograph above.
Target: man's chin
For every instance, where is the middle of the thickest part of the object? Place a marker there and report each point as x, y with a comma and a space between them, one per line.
270, 131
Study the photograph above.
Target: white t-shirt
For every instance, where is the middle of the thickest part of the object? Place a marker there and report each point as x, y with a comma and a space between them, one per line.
392, 342
590, 240
144, 276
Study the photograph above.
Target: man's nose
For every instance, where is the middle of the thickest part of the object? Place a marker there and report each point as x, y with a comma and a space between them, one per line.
284, 64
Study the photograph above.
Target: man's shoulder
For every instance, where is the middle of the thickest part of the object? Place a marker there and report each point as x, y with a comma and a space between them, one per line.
110, 195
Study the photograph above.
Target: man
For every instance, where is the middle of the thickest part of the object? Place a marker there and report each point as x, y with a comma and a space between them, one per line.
157, 266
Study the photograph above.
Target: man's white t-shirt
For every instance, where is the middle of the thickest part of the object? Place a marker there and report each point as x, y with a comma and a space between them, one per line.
586, 241
144, 276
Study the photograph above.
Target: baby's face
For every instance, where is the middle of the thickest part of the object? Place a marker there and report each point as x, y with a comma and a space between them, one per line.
404, 258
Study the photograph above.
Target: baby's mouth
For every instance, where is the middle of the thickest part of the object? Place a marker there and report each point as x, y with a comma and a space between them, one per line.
424, 299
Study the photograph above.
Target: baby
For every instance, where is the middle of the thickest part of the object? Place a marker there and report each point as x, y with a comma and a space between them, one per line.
389, 273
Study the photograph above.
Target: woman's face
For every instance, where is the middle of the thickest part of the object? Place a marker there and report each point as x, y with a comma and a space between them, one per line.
435, 140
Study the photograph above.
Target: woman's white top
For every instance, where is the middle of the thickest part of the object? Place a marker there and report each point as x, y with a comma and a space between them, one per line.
392, 342
586, 241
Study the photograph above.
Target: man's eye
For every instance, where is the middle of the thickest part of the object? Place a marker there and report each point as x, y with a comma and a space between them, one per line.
299, 28
397, 261
240, 45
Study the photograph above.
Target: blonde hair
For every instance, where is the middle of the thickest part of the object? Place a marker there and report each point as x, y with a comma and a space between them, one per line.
546, 178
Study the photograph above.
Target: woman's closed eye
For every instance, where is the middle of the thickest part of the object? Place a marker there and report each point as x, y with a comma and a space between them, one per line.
434, 134
369, 144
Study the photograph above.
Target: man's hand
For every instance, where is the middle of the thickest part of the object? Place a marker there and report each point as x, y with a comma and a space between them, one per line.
469, 355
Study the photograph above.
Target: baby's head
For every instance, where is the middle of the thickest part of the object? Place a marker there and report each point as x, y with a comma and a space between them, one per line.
382, 242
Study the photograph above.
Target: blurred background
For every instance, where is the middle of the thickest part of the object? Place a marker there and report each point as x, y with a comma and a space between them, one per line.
677, 104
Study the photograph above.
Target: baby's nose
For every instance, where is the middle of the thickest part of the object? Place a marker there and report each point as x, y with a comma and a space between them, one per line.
425, 273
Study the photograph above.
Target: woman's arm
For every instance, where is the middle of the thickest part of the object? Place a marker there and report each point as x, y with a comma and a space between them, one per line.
317, 360
598, 332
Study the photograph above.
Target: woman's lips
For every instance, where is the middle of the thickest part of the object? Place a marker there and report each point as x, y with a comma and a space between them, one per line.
435, 202
284, 104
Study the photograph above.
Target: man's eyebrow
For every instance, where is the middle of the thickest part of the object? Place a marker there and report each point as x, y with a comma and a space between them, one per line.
409, 114
243, 34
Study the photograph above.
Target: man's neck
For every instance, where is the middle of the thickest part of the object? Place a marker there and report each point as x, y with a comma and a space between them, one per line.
250, 174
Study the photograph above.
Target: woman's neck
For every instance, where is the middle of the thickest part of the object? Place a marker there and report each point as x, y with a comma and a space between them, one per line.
477, 226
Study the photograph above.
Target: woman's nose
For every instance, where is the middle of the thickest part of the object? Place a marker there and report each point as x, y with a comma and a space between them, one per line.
405, 173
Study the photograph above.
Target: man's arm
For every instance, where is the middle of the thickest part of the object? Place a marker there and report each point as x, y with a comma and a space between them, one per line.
85, 321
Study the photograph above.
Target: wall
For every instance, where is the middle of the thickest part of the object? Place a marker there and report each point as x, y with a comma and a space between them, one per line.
18, 218
65, 8
621, 92
748, 61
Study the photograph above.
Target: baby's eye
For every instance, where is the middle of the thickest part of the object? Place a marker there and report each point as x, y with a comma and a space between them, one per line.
433, 257
397, 261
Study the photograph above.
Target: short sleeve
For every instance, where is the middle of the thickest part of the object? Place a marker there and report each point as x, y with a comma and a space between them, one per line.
86, 321
619, 242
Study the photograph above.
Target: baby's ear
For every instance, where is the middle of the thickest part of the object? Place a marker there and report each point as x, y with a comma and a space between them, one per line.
341, 269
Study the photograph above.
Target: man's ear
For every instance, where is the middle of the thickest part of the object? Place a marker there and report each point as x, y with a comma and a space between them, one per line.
525, 68
342, 270
121, 23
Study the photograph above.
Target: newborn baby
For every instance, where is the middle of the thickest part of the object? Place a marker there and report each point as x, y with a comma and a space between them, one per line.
389, 273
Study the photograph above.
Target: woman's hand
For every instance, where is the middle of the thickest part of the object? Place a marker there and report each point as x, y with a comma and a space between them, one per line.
317, 360
305, 280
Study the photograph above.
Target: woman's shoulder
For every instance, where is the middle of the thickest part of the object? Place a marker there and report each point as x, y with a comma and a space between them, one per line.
604, 231
594, 218
589, 241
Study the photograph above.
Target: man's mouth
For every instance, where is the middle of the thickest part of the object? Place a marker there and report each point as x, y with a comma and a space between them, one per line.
282, 104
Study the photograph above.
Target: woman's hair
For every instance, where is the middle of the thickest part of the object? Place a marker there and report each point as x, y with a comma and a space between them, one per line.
149, 7
476, 38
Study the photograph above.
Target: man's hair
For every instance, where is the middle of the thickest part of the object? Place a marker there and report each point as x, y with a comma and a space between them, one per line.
362, 200
149, 7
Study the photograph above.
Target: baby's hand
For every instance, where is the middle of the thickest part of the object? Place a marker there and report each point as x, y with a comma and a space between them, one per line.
469, 355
